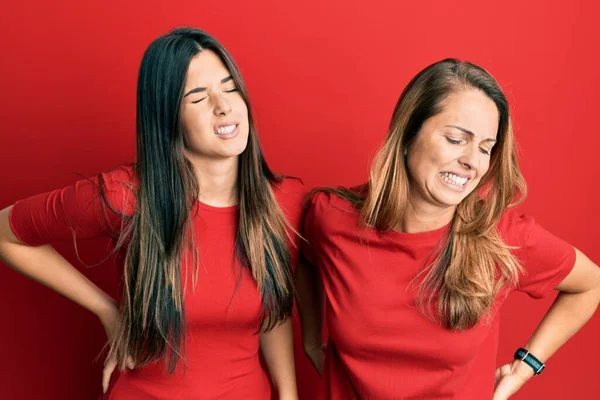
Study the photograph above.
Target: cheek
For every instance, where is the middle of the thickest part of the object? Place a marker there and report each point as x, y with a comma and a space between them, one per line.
197, 134
242, 106
195, 124
423, 162
243, 111
419, 168
484, 166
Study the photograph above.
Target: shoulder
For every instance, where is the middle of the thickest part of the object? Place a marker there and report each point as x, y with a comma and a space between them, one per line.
515, 227
545, 258
119, 176
119, 187
290, 193
320, 200
328, 213
289, 187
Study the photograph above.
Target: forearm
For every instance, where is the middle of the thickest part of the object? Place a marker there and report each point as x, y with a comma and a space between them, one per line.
567, 315
46, 266
277, 347
576, 303
310, 305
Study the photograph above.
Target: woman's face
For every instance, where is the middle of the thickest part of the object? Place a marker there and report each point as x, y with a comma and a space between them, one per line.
451, 152
214, 114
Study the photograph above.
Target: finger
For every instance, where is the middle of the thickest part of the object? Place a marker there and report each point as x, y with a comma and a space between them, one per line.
501, 391
498, 376
106, 374
320, 362
507, 386
503, 370
501, 373
314, 360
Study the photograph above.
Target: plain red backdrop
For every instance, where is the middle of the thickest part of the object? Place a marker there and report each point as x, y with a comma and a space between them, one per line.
323, 77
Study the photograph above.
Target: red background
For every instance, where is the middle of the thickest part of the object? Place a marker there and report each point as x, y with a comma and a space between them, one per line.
324, 77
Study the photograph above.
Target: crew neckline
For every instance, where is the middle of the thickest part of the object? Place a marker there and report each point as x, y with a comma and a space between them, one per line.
425, 236
219, 210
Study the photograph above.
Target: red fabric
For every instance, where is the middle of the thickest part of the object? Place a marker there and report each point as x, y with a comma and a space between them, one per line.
222, 314
380, 345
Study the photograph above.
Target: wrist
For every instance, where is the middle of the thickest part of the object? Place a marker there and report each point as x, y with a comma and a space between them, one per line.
522, 370
312, 346
526, 365
286, 390
288, 395
106, 309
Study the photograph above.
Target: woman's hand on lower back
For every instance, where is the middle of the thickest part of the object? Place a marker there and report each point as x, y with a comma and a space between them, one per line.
316, 355
109, 319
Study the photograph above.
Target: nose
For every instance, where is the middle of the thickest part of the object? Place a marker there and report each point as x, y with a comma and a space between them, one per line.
470, 157
222, 106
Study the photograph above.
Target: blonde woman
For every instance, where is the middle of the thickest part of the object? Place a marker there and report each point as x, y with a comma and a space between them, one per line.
415, 264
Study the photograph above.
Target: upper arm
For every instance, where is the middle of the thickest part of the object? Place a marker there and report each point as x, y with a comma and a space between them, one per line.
584, 276
6, 233
545, 258
289, 194
310, 216
88, 209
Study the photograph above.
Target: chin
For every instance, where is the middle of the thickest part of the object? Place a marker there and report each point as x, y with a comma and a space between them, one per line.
449, 200
234, 147
238, 149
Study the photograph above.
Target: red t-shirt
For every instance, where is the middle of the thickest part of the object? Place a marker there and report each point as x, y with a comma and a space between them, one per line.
380, 346
222, 315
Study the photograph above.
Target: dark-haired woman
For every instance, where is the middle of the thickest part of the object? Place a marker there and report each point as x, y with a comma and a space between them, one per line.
204, 229
415, 264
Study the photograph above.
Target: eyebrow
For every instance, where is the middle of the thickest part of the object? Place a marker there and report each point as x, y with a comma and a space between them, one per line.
468, 132
203, 89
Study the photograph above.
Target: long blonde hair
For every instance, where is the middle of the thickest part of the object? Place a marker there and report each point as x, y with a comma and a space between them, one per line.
473, 262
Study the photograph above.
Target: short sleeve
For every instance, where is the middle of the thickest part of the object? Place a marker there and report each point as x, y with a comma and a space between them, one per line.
90, 208
545, 258
290, 194
312, 212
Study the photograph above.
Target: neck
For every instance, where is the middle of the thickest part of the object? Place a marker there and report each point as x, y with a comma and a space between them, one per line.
217, 180
424, 217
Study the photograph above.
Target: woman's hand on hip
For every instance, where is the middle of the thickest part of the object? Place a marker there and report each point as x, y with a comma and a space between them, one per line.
510, 378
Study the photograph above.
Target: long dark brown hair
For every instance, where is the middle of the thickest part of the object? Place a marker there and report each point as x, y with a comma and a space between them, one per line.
473, 262
159, 232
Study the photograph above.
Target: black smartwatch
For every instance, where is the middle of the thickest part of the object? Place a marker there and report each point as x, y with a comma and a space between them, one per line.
529, 359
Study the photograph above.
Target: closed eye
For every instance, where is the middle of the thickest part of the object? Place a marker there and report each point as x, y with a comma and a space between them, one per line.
453, 141
484, 151
226, 91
